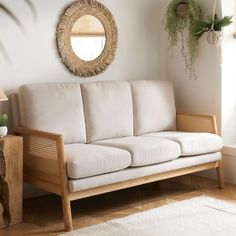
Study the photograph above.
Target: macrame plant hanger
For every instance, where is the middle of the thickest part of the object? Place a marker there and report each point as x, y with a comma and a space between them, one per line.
213, 37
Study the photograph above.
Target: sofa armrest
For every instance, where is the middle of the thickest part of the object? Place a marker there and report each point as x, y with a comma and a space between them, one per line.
19, 130
41, 144
196, 123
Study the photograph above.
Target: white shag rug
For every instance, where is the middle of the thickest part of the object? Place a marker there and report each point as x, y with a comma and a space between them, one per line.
201, 216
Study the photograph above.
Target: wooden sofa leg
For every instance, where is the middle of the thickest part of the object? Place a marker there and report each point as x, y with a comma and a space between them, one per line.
220, 175
67, 215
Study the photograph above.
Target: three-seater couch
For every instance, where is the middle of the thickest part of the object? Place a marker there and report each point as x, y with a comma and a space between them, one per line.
86, 139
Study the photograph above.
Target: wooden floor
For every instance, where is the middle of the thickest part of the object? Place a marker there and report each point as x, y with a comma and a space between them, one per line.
43, 215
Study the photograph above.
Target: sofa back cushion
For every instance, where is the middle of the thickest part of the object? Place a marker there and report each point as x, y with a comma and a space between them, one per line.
154, 106
108, 110
56, 108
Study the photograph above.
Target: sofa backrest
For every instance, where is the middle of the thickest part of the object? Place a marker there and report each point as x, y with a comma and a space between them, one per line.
108, 110
55, 107
94, 111
154, 106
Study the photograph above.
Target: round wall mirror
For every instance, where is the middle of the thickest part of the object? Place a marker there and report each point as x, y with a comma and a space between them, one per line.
87, 38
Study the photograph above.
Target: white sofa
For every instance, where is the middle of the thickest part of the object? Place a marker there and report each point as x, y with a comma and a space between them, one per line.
86, 139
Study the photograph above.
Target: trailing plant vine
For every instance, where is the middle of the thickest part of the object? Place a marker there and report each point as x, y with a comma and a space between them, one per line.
180, 28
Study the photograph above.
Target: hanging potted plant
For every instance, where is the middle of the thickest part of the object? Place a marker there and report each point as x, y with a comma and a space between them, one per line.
213, 27
178, 22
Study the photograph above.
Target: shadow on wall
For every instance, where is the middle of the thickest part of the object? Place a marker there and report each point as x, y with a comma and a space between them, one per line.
12, 14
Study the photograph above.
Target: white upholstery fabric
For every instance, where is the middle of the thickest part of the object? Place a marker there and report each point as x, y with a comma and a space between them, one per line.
145, 150
154, 106
192, 143
139, 172
84, 160
54, 108
108, 110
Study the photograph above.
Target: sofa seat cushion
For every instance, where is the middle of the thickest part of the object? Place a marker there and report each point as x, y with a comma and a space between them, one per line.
145, 150
85, 160
192, 143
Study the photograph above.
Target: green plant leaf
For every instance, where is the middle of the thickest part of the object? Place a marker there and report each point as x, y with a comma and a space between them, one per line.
200, 26
225, 21
3, 120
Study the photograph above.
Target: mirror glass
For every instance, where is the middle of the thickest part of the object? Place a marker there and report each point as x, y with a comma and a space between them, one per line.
88, 38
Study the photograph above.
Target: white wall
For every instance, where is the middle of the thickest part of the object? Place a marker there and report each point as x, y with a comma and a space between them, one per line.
141, 52
204, 94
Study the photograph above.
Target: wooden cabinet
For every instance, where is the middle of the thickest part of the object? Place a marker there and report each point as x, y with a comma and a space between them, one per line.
11, 180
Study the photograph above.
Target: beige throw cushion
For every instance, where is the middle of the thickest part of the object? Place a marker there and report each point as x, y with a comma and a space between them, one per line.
55, 107
108, 110
154, 106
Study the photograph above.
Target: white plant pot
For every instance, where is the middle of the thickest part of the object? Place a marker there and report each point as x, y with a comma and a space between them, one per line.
3, 131
214, 37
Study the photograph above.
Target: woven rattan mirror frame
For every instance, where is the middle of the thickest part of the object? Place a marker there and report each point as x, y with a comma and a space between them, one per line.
63, 35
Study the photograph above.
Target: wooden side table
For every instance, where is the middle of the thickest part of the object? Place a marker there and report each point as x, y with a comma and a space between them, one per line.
11, 180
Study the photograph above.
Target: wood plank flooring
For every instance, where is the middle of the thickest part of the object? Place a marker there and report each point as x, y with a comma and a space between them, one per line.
43, 215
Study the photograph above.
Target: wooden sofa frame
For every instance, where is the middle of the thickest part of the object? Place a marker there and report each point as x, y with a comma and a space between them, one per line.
43, 144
